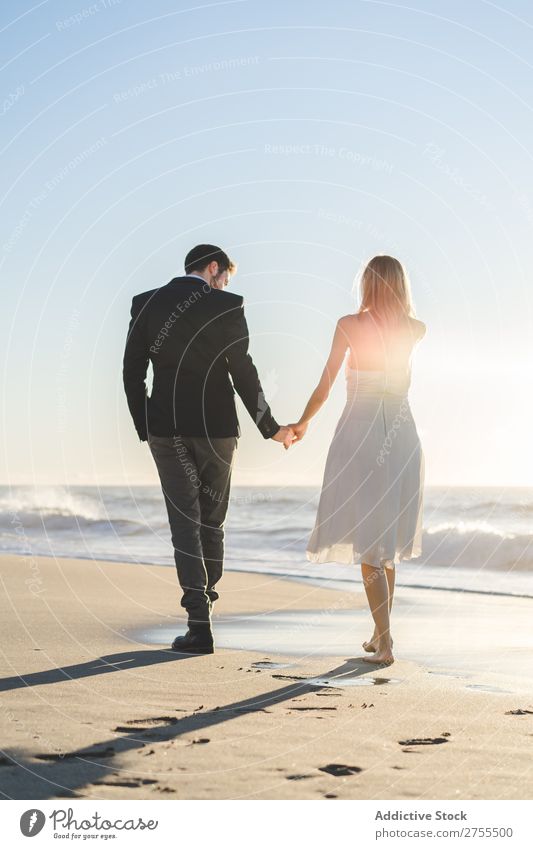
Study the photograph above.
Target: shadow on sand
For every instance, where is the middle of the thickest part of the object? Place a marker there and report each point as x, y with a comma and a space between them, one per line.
60, 774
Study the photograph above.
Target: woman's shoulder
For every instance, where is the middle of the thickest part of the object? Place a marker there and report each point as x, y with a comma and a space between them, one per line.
352, 325
362, 319
351, 319
418, 326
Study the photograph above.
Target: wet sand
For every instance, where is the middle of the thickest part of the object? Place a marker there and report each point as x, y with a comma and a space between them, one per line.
94, 705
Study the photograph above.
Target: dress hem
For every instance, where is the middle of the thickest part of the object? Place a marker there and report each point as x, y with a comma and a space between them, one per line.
354, 559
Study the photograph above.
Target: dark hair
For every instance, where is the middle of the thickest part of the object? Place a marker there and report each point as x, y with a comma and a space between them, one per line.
200, 256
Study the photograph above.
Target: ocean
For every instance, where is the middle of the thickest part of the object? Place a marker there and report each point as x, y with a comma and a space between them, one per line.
475, 539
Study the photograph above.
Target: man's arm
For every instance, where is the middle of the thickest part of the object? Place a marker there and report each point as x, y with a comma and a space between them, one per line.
244, 374
135, 366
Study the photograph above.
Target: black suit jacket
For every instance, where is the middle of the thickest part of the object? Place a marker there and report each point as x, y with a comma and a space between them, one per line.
196, 338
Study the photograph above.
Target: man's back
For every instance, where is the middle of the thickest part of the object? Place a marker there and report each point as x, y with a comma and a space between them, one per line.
196, 338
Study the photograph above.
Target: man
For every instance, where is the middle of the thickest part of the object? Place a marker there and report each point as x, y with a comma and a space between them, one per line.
196, 337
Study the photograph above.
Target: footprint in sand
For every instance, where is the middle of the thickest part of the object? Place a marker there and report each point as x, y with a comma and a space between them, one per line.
424, 741
144, 726
518, 712
290, 677
108, 752
135, 782
154, 720
339, 770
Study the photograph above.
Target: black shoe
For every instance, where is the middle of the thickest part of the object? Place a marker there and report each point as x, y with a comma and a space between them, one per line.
195, 642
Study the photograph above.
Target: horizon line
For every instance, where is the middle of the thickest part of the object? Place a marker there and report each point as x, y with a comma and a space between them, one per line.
262, 485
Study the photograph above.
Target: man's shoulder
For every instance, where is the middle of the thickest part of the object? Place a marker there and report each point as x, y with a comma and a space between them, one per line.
218, 300
228, 298
142, 298
226, 302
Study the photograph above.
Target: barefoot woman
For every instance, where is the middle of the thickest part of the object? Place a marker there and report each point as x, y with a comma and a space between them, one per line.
370, 508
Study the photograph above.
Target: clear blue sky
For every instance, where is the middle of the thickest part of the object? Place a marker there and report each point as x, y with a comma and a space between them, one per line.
302, 137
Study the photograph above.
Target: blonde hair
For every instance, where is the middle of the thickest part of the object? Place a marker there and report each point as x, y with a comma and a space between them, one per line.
386, 290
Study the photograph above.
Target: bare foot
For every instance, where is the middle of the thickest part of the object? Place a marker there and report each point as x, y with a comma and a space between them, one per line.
372, 644
383, 653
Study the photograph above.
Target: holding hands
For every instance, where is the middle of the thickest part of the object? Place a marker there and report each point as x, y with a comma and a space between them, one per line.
299, 429
284, 435
287, 434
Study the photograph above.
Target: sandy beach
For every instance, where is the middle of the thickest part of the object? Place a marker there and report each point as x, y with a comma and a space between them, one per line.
95, 706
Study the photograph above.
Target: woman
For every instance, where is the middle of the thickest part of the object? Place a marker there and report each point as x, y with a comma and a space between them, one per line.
370, 508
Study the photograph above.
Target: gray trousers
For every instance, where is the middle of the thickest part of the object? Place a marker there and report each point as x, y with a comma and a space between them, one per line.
195, 475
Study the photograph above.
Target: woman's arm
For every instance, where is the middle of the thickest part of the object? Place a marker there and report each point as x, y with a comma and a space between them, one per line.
331, 369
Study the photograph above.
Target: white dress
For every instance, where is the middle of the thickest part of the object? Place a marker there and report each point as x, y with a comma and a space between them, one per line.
370, 508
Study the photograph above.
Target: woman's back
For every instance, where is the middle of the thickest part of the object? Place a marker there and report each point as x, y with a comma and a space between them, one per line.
371, 500
370, 506
378, 346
